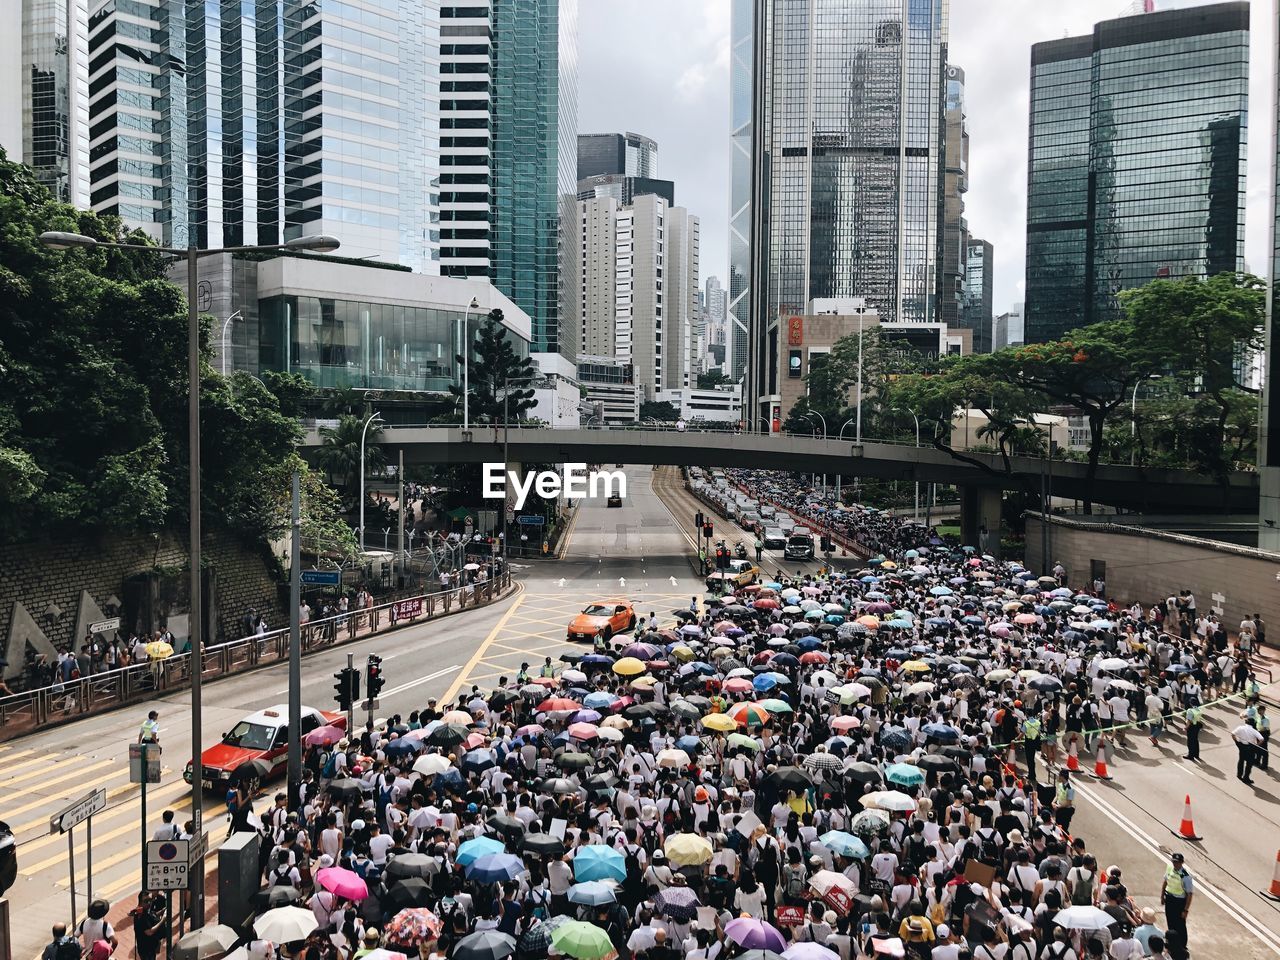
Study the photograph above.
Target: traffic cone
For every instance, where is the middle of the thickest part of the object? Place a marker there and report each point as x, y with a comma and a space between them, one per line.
1274, 892
1073, 758
1187, 829
1100, 765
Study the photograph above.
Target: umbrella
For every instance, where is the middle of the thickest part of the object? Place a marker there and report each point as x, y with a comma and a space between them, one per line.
324, 736
581, 940
688, 849
943, 732
414, 892
906, 774
679, 903
159, 650
869, 823
822, 762
255, 769
429, 764
285, 924
888, 800
672, 759
1083, 918
543, 844
343, 883
628, 667
479, 760
719, 722
472, 850
844, 844
792, 778
484, 945
598, 862
862, 772
749, 714
824, 881
507, 826
495, 868
536, 941
571, 759
406, 865
935, 761
448, 735
584, 731
593, 893
213, 940
742, 740
754, 934
413, 926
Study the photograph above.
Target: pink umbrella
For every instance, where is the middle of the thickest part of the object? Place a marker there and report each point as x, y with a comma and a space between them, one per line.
324, 736
342, 883
583, 731
738, 685
530, 730
845, 723
1026, 619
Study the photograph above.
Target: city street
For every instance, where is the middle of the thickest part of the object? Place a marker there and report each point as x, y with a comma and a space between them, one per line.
638, 552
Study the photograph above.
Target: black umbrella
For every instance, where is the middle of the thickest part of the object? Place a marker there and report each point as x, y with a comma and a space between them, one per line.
933, 761
503, 697
558, 786
684, 614
281, 895
448, 735
484, 945
507, 826
861, 772
413, 892
406, 865
256, 769
601, 781
542, 843
792, 778
641, 711
344, 789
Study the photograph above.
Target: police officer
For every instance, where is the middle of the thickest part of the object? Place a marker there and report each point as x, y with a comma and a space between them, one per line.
1176, 894
523, 676
149, 731
547, 670
1195, 723
1264, 727
1064, 800
1031, 728
759, 549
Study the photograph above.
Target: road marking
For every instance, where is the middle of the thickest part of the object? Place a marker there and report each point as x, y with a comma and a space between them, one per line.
43, 764
73, 775
481, 650
1225, 903
413, 683
158, 793
135, 828
568, 534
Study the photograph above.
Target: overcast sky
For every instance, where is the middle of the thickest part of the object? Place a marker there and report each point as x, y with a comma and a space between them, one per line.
661, 68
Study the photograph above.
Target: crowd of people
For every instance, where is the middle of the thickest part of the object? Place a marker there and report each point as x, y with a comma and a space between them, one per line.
867, 763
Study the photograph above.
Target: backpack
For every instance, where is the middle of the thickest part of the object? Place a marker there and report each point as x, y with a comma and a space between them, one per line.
632, 860
989, 847
915, 851
1082, 891
330, 766
68, 949
797, 879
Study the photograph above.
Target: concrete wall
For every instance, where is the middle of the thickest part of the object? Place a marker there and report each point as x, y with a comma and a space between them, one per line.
50, 591
1148, 565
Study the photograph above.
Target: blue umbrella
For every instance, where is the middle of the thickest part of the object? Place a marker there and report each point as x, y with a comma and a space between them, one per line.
448, 778
836, 618
763, 682
896, 653
495, 868
689, 744
600, 700
784, 660
844, 844
894, 738
905, 774
598, 862
773, 585
974, 621
585, 716
593, 893
1102, 625
898, 623
839, 743
939, 621
959, 668
942, 731
401, 747
870, 579
940, 591
595, 660
478, 760
472, 850
810, 642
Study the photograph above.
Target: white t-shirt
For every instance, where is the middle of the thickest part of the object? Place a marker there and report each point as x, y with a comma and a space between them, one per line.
1247, 734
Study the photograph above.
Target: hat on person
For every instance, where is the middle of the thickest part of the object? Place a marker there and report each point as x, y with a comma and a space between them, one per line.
659, 855
943, 931
1148, 915
1015, 836
344, 743
371, 935
914, 925
324, 860
700, 795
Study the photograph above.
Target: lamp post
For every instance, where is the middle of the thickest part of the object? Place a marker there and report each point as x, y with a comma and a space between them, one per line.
765, 421
911, 413
59, 240
824, 422
840, 435
858, 428
223, 344
363, 431
1133, 417
466, 364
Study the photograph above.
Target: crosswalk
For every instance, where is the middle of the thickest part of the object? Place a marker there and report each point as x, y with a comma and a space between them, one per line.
35, 784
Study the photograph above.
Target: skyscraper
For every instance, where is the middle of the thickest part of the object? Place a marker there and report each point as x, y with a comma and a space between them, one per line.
1136, 161
263, 122
716, 302
976, 297
1269, 433
954, 235
626, 154
836, 112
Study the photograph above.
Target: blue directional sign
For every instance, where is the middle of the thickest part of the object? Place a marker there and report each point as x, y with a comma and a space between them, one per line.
530, 521
325, 578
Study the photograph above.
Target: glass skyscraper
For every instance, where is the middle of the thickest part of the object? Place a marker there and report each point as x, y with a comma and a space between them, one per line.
1269, 434
1136, 160
264, 120
837, 118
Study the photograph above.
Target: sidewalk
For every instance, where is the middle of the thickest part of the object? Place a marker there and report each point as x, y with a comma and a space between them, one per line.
120, 919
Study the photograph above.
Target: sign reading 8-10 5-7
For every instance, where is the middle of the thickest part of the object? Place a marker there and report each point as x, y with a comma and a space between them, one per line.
167, 865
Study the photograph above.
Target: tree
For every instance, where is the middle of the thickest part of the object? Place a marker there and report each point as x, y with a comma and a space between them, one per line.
339, 453
712, 379
496, 370
662, 410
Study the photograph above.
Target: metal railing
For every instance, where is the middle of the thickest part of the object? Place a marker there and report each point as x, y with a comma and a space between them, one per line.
30, 710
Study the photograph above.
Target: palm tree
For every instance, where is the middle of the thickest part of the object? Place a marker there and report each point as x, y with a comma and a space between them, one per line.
339, 455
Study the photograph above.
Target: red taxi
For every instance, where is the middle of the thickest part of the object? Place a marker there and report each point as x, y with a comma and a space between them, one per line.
260, 736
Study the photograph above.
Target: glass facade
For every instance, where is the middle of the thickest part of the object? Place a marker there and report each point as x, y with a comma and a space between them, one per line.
1269, 434
1137, 160
847, 105
55, 101
379, 346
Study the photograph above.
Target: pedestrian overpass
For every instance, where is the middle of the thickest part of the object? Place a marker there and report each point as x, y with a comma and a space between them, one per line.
981, 477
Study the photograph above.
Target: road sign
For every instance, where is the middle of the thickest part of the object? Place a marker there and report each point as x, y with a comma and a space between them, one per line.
78, 812
144, 763
105, 626
197, 847
529, 520
1219, 601
324, 578
168, 865
511, 515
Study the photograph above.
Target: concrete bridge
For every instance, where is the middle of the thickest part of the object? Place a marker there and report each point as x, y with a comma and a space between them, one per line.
981, 480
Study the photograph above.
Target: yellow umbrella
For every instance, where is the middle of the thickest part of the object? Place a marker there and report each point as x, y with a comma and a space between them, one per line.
721, 722
628, 667
688, 850
642, 683
680, 652
159, 650
916, 666
888, 565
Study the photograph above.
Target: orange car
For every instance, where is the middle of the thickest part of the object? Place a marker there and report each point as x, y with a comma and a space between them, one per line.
604, 619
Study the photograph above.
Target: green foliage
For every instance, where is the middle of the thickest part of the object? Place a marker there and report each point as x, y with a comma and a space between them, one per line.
496, 370
291, 390
93, 386
663, 410
339, 453
712, 379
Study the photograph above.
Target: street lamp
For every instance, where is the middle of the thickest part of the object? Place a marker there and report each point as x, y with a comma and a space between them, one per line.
363, 431
858, 428
824, 422
1133, 417
466, 364
60, 240
223, 342
840, 435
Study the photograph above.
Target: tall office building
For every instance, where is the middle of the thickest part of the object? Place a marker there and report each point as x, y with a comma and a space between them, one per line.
837, 110
1136, 161
954, 235
716, 300
635, 273
625, 154
257, 124
507, 148
1269, 433
975, 301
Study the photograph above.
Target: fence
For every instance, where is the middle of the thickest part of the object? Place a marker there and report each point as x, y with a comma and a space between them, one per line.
30, 710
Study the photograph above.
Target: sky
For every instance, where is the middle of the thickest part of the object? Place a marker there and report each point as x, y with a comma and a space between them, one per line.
661, 68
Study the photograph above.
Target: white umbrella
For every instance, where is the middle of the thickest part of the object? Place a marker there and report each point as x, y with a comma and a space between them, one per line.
472, 566
1114, 663
609, 733
429, 764
824, 678
824, 880
285, 924
888, 800
672, 758
1083, 918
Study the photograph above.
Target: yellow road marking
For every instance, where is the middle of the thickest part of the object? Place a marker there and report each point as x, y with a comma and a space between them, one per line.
480, 651
158, 793
135, 828
43, 764
10, 757
73, 775
568, 535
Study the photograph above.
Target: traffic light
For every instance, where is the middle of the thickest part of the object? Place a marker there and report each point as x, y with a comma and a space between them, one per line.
698, 519
373, 676
707, 529
347, 689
